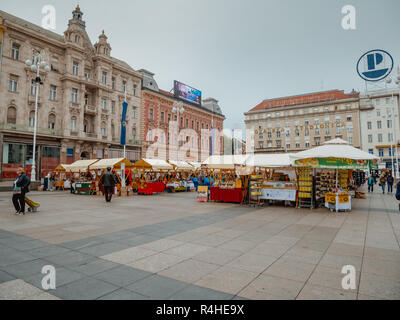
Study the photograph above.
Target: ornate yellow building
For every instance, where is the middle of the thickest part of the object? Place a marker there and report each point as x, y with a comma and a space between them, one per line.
80, 100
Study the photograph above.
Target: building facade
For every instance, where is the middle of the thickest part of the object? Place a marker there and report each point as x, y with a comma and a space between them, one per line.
380, 126
171, 135
296, 123
80, 100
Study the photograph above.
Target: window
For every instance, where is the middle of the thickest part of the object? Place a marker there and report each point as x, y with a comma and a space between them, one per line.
307, 144
103, 103
316, 132
371, 151
350, 140
316, 121
12, 115
113, 83
306, 132
33, 88
103, 129
379, 124
349, 117
187, 123
134, 89
134, 112
278, 134
269, 135
260, 144
278, 143
339, 130
75, 68
15, 51
338, 119
123, 86
31, 119
390, 137
52, 121
378, 112
387, 100
389, 124
104, 77
192, 124
317, 141
87, 75
113, 106
370, 138
13, 84
77, 38
162, 116
297, 132
381, 152
369, 125
306, 122
297, 145
53, 92
380, 137
74, 95
86, 99
287, 146
327, 131
378, 102
151, 114
73, 124
296, 122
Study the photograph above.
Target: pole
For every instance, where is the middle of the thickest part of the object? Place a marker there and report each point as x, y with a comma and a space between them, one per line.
395, 136
33, 172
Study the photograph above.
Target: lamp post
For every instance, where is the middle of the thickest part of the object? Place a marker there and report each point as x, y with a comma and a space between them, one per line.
178, 109
397, 82
35, 65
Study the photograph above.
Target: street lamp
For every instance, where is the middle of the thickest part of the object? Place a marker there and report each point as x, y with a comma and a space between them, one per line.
397, 82
178, 109
35, 65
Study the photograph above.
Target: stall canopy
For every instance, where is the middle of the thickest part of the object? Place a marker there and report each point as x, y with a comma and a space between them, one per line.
196, 165
62, 168
270, 160
224, 161
80, 165
114, 163
153, 164
335, 153
181, 165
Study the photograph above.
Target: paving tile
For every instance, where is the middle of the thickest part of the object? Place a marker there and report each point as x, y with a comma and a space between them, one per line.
379, 286
313, 244
267, 287
382, 254
192, 292
156, 263
138, 240
189, 270
238, 245
92, 266
123, 294
8, 241
157, 287
12, 256
303, 255
187, 250
42, 296
17, 290
84, 289
252, 262
63, 276
50, 250
118, 235
227, 279
313, 292
345, 250
129, 255
212, 240
290, 269
82, 243
386, 268
25, 269
329, 277
28, 245
217, 256
122, 276
4, 277
69, 258
338, 261
102, 249
162, 245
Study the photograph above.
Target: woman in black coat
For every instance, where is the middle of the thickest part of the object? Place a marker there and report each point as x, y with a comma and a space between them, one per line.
21, 187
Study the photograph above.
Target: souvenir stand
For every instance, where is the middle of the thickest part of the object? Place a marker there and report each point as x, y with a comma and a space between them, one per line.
273, 178
62, 183
227, 186
118, 166
330, 167
82, 178
182, 182
150, 175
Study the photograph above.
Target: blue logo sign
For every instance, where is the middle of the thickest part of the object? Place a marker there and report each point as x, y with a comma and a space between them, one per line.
375, 65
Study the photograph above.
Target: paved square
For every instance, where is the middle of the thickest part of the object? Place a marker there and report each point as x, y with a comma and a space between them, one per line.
169, 246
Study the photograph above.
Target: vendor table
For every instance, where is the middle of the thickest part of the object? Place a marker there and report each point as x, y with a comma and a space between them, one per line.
156, 186
226, 195
278, 194
83, 187
338, 201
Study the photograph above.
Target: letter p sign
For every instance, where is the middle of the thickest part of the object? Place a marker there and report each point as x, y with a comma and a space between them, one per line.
49, 280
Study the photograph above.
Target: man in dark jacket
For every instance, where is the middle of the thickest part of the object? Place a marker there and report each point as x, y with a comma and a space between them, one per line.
21, 187
108, 181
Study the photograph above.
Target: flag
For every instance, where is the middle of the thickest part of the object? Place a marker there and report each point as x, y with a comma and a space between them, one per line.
123, 123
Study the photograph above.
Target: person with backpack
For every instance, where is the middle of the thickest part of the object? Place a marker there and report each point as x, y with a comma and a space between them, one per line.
21, 187
382, 182
390, 181
371, 183
108, 180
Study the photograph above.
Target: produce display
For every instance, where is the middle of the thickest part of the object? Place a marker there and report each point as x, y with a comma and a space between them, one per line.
305, 182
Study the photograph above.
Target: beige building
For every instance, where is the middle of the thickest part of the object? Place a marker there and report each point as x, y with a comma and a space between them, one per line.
296, 123
80, 100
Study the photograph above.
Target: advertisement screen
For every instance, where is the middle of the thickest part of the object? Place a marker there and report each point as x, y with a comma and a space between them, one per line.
182, 91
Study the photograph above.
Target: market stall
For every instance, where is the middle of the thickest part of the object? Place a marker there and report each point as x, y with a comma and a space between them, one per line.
273, 178
62, 183
326, 171
150, 175
182, 181
82, 178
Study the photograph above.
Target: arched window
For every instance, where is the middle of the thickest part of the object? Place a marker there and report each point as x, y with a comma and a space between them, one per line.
12, 115
133, 133
52, 121
73, 124
85, 126
31, 119
103, 130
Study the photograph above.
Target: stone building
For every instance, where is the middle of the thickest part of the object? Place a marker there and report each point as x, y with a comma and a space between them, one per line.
187, 138
296, 123
80, 100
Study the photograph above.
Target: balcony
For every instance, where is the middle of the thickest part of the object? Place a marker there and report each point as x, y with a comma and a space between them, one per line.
27, 129
32, 99
91, 135
89, 109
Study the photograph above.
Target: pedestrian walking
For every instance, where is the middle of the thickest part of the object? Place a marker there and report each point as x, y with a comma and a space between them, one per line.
382, 182
108, 181
21, 187
398, 192
371, 183
390, 181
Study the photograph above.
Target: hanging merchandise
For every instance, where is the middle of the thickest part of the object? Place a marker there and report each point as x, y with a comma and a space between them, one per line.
305, 183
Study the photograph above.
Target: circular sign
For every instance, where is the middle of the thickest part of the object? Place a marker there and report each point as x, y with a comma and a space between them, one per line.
375, 65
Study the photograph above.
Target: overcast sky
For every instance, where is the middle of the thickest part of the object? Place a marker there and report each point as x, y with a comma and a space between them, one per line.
239, 52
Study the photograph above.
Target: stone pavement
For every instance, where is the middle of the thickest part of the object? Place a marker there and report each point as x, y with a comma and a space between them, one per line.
169, 246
